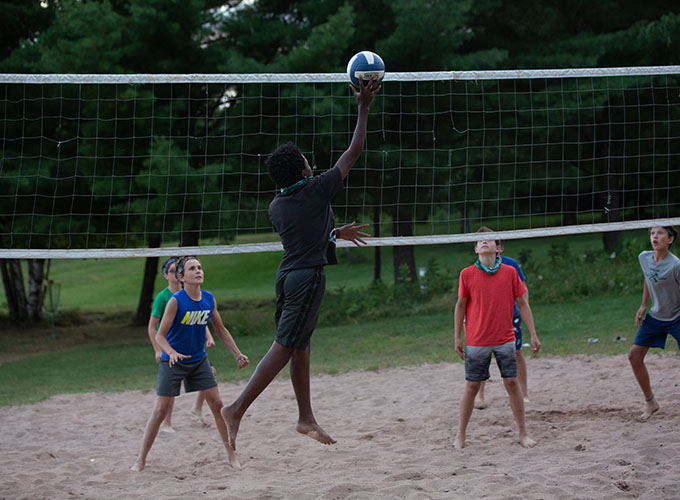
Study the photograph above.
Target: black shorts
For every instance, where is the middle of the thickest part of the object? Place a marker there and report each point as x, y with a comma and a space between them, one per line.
197, 376
299, 293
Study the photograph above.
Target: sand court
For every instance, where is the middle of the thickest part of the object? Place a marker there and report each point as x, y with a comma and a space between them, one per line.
395, 431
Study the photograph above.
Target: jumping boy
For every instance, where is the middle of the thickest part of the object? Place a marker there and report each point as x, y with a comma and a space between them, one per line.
302, 215
486, 292
662, 282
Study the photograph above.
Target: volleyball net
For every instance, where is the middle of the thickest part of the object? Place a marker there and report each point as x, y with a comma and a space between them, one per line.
140, 165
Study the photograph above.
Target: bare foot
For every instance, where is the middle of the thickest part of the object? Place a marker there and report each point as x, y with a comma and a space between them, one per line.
527, 442
480, 404
139, 466
199, 416
232, 424
314, 431
651, 408
167, 428
232, 458
459, 443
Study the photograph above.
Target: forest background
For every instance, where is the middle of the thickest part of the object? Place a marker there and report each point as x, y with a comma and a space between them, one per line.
319, 36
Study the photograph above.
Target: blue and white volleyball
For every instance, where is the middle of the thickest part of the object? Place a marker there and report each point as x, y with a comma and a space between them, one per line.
364, 65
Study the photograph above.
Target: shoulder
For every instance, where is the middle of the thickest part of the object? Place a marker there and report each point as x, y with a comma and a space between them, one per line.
208, 296
332, 174
468, 270
508, 270
645, 254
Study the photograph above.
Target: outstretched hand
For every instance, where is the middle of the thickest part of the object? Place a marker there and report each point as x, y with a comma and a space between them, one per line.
350, 232
367, 91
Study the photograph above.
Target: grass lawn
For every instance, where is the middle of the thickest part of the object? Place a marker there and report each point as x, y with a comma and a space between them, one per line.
102, 352
113, 356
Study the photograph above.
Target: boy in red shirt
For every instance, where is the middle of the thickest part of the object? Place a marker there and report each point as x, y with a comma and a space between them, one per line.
486, 294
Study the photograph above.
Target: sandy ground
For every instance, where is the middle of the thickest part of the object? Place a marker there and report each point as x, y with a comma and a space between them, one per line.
395, 431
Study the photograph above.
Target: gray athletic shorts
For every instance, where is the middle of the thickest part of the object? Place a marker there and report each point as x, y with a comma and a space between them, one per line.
478, 360
197, 376
299, 293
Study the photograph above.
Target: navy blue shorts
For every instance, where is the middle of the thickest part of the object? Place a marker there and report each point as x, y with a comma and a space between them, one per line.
653, 332
299, 293
517, 327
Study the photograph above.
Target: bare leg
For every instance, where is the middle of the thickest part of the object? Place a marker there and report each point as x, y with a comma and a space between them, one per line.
197, 410
166, 426
466, 407
299, 376
480, 402
160, 411
272, 363
636, 356
522, 374
212, 397
517, 406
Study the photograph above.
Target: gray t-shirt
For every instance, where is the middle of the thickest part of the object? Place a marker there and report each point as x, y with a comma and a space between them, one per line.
663, 282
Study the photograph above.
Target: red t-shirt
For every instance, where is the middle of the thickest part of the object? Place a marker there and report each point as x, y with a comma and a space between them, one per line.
488, 318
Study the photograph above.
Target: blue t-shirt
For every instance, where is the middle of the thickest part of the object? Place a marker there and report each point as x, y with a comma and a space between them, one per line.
187, 332
512, 262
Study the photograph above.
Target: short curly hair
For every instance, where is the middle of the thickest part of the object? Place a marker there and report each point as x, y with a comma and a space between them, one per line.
285, 165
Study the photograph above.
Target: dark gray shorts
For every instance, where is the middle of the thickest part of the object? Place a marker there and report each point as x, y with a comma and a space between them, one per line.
299, 293
197, 376
478, 360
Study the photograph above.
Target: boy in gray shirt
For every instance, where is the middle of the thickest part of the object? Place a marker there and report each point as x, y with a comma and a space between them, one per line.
662, 282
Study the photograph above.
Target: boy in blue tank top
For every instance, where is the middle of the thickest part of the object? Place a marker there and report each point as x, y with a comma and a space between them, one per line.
181, 336
662, 282
168, 269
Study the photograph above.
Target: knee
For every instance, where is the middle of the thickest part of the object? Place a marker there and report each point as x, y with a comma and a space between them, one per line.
635, 357
214, 403
161, 411
472, 387
510, 383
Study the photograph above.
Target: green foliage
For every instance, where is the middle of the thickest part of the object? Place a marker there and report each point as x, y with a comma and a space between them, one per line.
379, 300
567, 276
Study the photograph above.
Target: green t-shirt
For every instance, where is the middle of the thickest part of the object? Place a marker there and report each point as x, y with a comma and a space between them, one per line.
159, 304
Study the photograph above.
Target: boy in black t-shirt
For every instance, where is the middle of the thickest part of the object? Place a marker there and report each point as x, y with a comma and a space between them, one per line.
302, 215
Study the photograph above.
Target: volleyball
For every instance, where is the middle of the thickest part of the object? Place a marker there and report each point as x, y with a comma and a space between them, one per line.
364, 65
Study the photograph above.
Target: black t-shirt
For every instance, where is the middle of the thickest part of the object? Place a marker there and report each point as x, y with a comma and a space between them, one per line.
304, 220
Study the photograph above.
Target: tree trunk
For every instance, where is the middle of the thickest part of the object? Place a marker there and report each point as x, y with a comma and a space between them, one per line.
13, 281
146, 296
403, 255
36, 289
377, 261
189, 238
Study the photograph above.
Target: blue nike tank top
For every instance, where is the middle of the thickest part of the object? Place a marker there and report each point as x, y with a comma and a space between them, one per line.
187, 332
